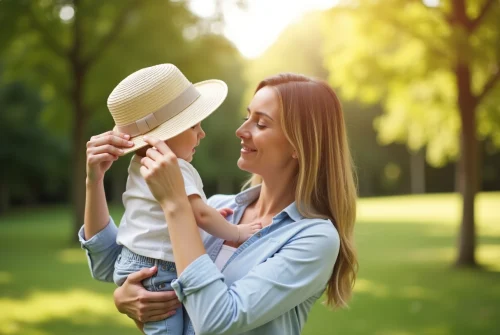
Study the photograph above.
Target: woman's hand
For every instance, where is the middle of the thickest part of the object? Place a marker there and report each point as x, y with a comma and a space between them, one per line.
141, 305
102, 151
161, 171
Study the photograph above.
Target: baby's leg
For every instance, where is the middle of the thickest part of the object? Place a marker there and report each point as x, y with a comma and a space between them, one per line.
174, 325
128, 263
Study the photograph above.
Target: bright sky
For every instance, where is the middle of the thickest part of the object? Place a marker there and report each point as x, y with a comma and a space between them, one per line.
254, 29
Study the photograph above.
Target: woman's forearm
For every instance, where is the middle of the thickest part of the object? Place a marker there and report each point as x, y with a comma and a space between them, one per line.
184, 234
96, 208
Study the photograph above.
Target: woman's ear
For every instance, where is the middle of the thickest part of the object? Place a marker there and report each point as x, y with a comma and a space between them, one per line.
294, 154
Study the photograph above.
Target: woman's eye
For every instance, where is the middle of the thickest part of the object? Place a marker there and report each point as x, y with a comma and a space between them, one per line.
260, 126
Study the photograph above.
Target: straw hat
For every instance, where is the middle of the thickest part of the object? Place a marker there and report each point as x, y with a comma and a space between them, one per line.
161, 102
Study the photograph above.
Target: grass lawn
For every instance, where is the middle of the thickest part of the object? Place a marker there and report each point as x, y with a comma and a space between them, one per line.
406, 284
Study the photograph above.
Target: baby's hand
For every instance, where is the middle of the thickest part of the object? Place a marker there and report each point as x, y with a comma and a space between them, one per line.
245, 231
225, 211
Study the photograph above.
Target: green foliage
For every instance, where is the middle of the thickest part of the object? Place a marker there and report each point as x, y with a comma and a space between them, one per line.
111, 40
117, 38
31, 157
403, 54
299, 49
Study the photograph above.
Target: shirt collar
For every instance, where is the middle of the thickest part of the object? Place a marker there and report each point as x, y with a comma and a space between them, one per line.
293, 212
248, 196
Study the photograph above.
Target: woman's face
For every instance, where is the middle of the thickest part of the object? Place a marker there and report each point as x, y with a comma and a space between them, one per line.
265, 150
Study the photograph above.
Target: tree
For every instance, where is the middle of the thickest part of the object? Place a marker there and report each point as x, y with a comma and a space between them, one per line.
76, 51
285, 55
436, 71
28, 153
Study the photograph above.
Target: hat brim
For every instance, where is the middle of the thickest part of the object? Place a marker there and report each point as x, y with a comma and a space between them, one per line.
212, 93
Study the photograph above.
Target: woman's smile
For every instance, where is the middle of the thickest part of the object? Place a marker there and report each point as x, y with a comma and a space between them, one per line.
246, 149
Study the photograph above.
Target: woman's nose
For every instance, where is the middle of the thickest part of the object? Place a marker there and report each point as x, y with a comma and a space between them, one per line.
242, 132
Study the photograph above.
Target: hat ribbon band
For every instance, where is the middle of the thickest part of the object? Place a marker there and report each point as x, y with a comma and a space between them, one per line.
153, 120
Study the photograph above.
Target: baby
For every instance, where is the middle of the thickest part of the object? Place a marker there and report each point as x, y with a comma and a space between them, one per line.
161, 102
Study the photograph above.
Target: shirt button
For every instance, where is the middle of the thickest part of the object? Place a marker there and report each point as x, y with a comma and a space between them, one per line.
162, 285
259, 234
163, 267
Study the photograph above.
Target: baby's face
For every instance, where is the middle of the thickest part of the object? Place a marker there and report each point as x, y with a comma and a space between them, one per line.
183, 145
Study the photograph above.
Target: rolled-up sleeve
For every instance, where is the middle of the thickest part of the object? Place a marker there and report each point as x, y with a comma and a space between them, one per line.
102, 251
300, 270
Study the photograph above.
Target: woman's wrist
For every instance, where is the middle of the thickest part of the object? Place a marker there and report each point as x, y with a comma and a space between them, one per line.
90, 182
177, 207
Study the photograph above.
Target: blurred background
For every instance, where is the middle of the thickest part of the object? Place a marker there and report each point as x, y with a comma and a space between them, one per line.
420, 86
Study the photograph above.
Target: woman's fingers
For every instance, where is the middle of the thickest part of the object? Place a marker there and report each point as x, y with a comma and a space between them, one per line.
163, 297
107, 148
164, 306
153, 153
157, 306
110, 139
110, 133
162, 310
144, 172
139, 276
147, 162
114, 133
159, 317
104, 157
160, 145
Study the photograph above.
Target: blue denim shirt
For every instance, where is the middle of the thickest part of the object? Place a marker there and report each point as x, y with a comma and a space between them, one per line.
269, 284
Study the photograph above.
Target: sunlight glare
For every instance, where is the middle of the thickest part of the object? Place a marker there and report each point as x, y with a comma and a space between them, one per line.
370, 287
41, 307
66, 13
257, 27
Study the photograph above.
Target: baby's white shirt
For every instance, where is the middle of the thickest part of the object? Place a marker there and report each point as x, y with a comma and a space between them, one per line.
143, 228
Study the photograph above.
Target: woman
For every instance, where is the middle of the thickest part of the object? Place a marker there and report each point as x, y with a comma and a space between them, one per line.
294, 143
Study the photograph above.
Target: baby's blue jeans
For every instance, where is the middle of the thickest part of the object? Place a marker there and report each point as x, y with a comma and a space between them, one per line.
128, 263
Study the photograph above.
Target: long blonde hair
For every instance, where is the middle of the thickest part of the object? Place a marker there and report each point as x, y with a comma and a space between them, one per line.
313, 122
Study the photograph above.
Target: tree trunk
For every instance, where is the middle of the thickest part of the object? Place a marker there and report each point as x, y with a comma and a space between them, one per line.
78, 167
467, 104
468, 167
79, 126
417, 171
458, 173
